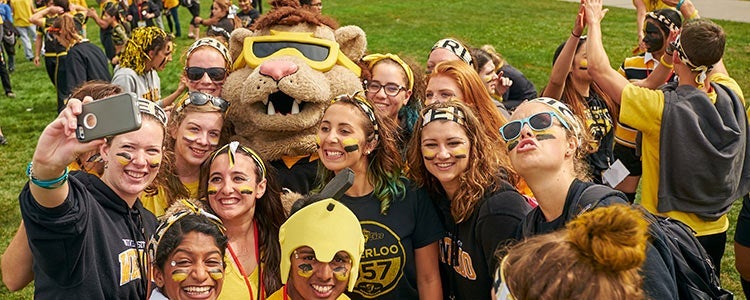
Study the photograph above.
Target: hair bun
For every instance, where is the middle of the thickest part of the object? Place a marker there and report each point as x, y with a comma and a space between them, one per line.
613, 237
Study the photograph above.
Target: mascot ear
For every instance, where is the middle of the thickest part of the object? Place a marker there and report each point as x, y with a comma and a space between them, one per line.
237, 41
352, 41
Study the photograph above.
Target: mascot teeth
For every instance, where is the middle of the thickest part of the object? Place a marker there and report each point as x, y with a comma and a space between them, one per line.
295, 108
271, 109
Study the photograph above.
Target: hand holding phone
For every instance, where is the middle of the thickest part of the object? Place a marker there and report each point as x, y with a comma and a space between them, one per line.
107, 117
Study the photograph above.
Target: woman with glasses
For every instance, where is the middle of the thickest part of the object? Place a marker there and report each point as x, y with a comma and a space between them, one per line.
547, 144
393, 89
87, 233
458, 164
401, 225
194, 130
571, 83
237, 187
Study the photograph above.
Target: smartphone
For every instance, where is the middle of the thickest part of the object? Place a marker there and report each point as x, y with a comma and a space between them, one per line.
108, 116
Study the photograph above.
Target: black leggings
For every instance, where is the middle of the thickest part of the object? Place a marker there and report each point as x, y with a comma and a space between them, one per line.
714, 245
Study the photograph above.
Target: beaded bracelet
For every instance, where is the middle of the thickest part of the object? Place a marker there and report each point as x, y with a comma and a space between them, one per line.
46, 184
679, 4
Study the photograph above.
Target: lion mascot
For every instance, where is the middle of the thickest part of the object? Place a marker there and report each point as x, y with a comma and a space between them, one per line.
286, 70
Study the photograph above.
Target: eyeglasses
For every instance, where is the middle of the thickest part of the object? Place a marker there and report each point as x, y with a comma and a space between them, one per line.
390, 89
320, 54
537, 122
200, 99
196, 73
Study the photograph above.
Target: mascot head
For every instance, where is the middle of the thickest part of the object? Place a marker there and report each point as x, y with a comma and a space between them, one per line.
286, 70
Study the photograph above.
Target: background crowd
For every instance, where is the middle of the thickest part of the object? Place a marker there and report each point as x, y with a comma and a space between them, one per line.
459, 134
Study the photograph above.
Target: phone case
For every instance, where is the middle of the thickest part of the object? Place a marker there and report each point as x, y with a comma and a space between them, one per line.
108, 116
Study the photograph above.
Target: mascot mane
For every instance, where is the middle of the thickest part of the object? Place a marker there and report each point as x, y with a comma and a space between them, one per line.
289, 13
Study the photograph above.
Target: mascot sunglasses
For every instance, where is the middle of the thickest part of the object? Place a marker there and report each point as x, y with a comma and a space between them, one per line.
320, 54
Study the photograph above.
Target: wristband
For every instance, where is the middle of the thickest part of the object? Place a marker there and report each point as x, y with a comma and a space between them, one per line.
679, 4
46, 184
666, 64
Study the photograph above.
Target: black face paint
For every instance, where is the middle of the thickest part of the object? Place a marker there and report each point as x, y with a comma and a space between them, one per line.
545, 136
460, 156
125, 155
653, 38
351, 148
512, 145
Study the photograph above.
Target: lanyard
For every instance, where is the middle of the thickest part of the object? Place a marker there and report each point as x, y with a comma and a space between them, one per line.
257, 260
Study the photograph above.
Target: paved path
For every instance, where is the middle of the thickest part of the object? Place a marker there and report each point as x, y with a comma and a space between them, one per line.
732, 10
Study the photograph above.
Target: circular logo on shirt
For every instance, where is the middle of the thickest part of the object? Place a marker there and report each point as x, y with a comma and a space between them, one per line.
382, 263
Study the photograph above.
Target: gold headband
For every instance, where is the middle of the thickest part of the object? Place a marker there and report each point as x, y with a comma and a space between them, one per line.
373, 59
213, 43
151, 108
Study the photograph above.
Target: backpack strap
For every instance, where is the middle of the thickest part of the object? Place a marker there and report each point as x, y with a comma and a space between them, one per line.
593, 196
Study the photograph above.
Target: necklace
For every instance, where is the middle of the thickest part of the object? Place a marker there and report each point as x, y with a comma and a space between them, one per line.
257, 260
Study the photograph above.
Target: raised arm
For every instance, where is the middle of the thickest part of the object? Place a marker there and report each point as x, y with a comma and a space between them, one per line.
56, 149
611, 82
561, 67
661, 73
640, 18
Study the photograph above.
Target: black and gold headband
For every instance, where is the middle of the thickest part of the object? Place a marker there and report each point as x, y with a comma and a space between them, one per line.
443, 113
231, 150
364, 105
663, 20
151, 108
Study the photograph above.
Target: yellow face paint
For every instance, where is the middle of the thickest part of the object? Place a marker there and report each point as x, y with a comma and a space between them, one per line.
246, 190
305, 270
179, 275
154, 164
428, 154
124, 158
212, 190
317, 140
213, 140
584, 63
341, 274
216, 274
460, 152
189, 136
350, 144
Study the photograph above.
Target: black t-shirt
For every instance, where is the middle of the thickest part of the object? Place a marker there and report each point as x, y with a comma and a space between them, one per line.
521, 89
89, 247
388, 267
300, 177
467, 249
600, 124
85, 62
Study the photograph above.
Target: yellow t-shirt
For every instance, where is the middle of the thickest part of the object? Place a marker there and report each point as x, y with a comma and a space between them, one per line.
642, 109
157, 204
79, 3
659, 5
22, 11
171, 3
234, 285
279, 295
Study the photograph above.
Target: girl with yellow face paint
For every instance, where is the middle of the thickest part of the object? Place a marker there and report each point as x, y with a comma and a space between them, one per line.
187, 253
570, 83
237, 186
353, 134
453, 158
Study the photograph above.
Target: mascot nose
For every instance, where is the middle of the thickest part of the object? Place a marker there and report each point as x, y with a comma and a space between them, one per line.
278, 69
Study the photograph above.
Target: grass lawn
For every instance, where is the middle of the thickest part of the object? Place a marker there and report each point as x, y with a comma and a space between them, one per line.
525, 32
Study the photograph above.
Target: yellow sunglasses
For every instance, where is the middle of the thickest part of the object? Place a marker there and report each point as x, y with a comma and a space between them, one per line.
320, 54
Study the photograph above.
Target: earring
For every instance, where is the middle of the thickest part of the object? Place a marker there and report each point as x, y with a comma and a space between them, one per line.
368, 152
296, 255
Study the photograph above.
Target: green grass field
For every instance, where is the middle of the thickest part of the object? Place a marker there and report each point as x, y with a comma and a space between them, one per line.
525, 32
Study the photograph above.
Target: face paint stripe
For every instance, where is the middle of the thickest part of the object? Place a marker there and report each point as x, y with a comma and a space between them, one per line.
305, 270
350, 144
124, 158
216, 274
179, 275
512, 145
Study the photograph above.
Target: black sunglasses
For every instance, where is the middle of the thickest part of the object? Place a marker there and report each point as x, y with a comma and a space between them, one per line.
196, 73
200, 99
